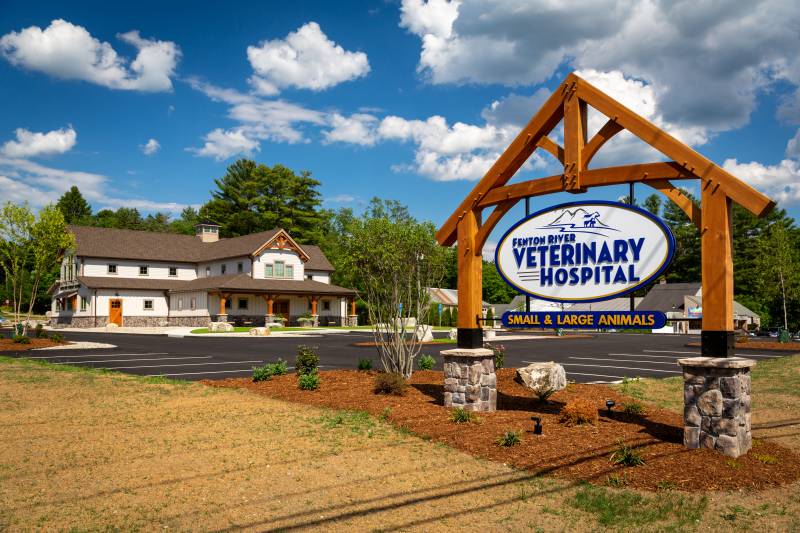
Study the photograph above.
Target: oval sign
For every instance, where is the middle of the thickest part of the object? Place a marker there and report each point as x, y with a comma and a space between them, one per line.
584, 251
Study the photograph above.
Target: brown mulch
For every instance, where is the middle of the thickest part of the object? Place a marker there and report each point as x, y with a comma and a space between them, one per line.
579, 452
8, 345
761, 345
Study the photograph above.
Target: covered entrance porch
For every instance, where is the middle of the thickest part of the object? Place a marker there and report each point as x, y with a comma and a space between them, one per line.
263, 308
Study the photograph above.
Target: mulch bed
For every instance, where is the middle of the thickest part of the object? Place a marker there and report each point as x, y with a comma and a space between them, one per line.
761, 345
8, 345
576, 453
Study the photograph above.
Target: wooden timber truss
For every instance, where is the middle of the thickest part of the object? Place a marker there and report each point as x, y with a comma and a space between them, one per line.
569, 104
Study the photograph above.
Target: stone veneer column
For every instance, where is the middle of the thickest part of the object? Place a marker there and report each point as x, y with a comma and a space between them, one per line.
469, 379
716, 399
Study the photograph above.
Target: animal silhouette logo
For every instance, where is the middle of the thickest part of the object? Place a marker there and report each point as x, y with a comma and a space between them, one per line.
580, 220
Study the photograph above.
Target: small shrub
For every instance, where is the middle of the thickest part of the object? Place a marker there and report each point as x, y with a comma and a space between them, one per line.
263, 373
390, 383
666, 485
508, 439
741, 339
307, 360
308, 381
22, 339
767, 459
57, 337
633, 408
733, 464
616, 480
626, 455
461, 416
499, 352
544, 395
39, 331
579, 411
365, 363
426, 362
386, 413
784, 336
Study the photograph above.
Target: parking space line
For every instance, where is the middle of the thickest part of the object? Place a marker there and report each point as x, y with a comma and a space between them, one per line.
648, 356
671, 351
595, 375
95, 355
625, 360
698, 353
129, 360
202, 373
624, 368
177, 365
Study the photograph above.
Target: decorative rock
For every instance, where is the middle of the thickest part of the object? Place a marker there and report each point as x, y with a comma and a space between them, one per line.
219, 327
259, 332
691, 416
542, 377
423, 333
452, 334
691, 437
710, 403
111, 325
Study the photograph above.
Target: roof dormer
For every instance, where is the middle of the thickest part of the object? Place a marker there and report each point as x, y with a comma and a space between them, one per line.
207, 230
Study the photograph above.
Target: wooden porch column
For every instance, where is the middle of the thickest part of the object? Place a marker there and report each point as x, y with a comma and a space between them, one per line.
314, 300
222, 301
470, 271
352, 307
717, 338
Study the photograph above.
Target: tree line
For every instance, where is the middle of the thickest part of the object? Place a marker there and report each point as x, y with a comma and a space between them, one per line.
252, 197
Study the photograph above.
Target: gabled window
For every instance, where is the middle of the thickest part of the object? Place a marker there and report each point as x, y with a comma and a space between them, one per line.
112, 268
268, 271
279, 270
144, 270
289, 271
173, 271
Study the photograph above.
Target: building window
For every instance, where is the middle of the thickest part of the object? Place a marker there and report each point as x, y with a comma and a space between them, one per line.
173, 271
144, 270
208, 271
242, 303
240, 267
83, 303
309, 277
326, 305
223, 269
112, 268
289, 271
180, 304
148, 305
267, 271
279, 271
193, 304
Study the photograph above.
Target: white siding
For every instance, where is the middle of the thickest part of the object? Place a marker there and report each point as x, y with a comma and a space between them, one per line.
231, 266
289, 257
185, 298
319, 275
132, 302
94, 267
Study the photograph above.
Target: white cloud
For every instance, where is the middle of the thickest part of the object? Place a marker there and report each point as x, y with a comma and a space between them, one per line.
32, 144
706, 62
780, 182
793, 146
25, 181
151, 147
223, 144
358, 128
305, 59
341, 199
68, 51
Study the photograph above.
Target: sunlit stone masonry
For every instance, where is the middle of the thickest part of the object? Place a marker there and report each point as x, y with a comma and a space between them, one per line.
469, 379
716, 396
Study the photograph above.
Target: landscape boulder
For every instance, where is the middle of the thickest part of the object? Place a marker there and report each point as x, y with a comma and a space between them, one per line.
259, 332
219, 327
111, 325
423, 333
453, 335
542, 378
488, 334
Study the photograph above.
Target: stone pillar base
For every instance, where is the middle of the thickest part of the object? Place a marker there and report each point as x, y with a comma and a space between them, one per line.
269, 319
469, 379
352, 321
716, 399
315, 321
222, 318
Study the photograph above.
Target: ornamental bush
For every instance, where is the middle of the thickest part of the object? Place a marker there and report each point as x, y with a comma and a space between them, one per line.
390, 383
426, 362
307, 360
308, 381
365, 363
579, 411
22, 339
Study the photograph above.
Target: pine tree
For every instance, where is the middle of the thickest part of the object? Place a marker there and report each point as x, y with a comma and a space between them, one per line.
74, 207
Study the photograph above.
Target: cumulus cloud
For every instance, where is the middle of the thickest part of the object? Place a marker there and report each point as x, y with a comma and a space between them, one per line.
65, 50
706, 63
780, 182
151, 147
305, 59
23, 180
358, 128
32, 144
793, 146
224, 144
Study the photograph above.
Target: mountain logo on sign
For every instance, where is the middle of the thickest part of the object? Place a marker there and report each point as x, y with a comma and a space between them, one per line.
580, 221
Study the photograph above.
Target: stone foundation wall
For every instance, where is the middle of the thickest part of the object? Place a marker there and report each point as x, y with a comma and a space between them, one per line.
716, 394
129, 321
469, 379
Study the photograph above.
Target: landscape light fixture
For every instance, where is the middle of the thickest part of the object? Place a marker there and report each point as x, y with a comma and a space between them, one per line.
537, 427
609, 405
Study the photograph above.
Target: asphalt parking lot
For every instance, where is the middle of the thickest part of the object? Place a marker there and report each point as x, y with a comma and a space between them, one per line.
602, 357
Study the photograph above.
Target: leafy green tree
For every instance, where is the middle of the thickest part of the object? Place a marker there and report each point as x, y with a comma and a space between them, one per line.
30, 247
779, 265
454, 317
495, 290
185, 224
253, 197
447, 319
74, 207
393, 263
686, 263
122, 218
653, 204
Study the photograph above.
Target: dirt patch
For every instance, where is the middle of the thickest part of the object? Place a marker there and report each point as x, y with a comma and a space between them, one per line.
578, 452
8, 345
761, 345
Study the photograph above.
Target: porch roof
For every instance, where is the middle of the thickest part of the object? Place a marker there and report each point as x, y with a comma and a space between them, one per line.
227, 283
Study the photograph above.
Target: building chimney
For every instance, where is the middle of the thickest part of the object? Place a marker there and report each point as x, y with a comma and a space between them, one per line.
207, 230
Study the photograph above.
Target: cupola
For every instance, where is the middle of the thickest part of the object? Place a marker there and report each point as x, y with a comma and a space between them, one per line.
207, 230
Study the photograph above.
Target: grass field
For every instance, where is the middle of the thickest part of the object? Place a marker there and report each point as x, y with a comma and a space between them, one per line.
93, 450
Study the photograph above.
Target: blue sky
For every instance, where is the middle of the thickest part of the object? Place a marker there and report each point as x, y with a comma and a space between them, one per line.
145, 104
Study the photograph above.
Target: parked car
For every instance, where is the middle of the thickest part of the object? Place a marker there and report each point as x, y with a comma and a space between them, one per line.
3, 321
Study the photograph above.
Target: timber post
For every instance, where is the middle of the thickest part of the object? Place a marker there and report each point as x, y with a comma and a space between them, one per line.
470, 278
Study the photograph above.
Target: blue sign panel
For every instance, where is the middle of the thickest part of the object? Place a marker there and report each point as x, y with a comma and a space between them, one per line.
585, 319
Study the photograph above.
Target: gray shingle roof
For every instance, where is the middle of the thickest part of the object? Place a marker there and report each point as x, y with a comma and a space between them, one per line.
154, 246
667, 297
